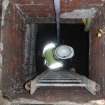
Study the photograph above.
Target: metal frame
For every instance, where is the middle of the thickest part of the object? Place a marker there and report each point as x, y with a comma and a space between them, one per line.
62, 79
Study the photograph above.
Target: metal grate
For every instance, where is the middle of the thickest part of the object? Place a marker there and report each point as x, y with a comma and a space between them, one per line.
59, 78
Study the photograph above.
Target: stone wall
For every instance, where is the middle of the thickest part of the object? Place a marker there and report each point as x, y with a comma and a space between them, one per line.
0, 39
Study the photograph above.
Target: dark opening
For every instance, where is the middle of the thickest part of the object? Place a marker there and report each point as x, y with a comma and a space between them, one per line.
72, 35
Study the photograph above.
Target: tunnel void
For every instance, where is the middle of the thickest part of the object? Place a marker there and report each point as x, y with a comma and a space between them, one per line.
13, 34
72, 35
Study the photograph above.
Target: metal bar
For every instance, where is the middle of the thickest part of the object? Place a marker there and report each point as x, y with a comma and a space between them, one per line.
91, 86
60, 81
57, 11
60, 85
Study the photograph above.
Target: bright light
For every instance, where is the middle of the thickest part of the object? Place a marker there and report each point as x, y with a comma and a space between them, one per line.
55, 65
64, 52
48, 46
51, 62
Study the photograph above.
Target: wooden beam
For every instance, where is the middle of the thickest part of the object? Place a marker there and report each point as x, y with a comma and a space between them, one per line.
52, 20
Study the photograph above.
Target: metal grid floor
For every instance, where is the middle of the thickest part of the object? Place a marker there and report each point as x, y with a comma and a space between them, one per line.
59, 78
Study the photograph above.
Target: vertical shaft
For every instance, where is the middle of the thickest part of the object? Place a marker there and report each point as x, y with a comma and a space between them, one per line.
57, 11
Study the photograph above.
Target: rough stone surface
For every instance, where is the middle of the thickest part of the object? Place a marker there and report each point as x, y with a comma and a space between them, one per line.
3, 101
46, 8
80, 13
